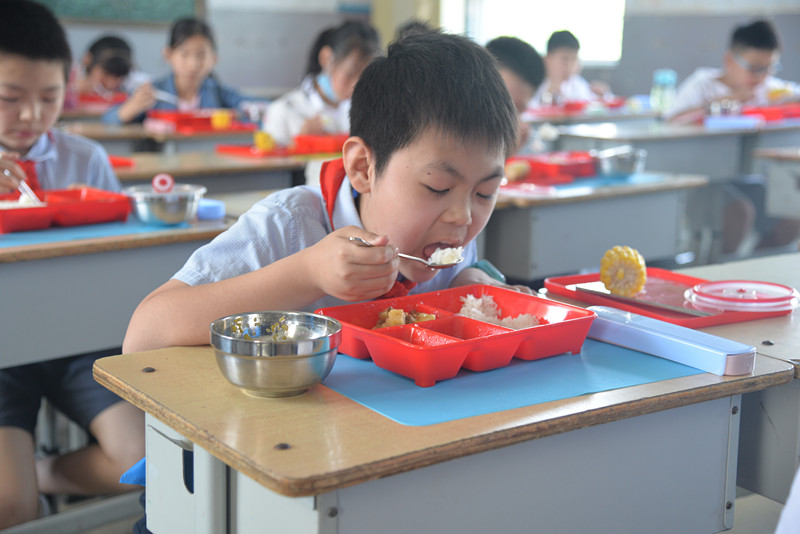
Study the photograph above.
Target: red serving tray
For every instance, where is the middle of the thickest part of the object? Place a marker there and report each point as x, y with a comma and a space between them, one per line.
199, 121
663, 287
65, 207
303, 145
557, 167
436, 350
120, 161
773, 113
94, 98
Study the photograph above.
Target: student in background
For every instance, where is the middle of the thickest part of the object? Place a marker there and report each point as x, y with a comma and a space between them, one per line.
108, 68
432, 124
191, 85
746, 78
522, 70
563, 81
322, 102
34, 64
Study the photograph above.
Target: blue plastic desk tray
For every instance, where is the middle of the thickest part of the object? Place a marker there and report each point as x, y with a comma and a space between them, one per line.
599, 367
72, 233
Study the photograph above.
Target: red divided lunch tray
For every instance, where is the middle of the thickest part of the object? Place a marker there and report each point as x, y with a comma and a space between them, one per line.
67, 207
189, 122
556, 167
303, 144
773, 113
437, 349
662, 287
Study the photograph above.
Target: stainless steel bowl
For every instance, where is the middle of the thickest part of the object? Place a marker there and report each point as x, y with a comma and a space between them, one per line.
620, 161
164, 209
276, 353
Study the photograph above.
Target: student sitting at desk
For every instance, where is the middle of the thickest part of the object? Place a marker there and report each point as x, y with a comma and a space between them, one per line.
322, 102
34, 64
522, 70
432, 124
563, 81
108, 69
191, 55
746, 76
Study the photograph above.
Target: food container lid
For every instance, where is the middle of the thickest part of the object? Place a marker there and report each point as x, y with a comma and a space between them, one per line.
743, 295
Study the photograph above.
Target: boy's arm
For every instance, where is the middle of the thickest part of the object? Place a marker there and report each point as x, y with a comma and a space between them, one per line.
177, 314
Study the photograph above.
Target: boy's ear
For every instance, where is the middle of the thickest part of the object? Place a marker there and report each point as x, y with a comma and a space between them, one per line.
358, 163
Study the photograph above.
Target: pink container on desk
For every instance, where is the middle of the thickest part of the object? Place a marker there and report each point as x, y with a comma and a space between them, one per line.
435, 350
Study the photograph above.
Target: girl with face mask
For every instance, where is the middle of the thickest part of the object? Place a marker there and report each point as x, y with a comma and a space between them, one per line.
321, 105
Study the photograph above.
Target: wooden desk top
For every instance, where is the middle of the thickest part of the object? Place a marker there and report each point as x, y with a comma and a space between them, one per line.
202, 230
334, 442
781, 333
655, 131
614, 115
148, 164
778, 154
577, 194
122, 132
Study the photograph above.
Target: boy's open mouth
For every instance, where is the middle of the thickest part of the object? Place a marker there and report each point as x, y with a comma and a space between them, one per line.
428, 251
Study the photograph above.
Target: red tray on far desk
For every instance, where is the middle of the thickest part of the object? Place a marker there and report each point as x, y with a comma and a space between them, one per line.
303, 145
65, 207
663, 287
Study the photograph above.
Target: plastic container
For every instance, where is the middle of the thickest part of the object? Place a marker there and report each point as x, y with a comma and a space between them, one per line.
67, 207
662, 286
743, 295
436, 350
662, 92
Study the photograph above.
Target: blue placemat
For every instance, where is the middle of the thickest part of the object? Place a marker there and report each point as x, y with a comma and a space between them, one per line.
615, 180
88, 231
599, 367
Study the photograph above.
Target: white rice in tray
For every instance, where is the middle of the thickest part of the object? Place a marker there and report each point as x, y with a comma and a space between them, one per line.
484, 309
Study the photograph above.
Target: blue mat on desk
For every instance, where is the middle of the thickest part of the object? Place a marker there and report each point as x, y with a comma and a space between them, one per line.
613, 180
599, 367
88, 231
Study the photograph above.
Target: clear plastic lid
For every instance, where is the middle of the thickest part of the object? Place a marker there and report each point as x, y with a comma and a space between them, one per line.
743, 295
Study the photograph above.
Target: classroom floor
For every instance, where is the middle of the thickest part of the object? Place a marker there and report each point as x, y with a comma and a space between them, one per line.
754, 515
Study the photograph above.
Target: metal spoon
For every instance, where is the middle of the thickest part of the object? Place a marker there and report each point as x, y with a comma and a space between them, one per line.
428, 264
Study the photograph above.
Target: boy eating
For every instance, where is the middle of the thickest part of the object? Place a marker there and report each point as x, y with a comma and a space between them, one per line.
34, 63
431, 126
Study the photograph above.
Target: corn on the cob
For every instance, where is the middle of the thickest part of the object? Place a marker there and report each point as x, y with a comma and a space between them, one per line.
263, 141
623, 271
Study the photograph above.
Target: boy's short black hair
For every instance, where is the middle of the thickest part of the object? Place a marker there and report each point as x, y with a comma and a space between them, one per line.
32, 31
562, 39
112, 54
760, 34
432, 80
519, 57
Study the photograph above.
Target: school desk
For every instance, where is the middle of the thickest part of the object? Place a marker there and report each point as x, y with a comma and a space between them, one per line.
558, 118
769, 446
657, 458
73, 290
83, 113
219, 173
119, 139
782, 171
568, 227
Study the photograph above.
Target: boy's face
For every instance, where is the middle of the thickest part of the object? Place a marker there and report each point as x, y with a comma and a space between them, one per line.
31, 96
102, 78
192, 60
521, 91
435, 193
747, 68
561, 64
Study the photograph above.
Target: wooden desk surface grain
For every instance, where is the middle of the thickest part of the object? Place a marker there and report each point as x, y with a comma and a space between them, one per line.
670, 183
334, 442
148, 164
120, 132
202, 230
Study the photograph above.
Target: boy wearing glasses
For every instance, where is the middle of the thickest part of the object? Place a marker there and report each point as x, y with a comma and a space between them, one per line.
746, 77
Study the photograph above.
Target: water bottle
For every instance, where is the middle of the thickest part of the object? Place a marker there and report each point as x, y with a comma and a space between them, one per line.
662, 94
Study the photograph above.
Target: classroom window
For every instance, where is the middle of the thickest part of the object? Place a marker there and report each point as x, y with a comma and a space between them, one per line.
598, 25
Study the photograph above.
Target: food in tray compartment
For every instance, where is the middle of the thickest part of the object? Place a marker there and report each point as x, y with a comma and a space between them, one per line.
22, 202
623, 271
395, 317
446, 256
484, 308
517, 170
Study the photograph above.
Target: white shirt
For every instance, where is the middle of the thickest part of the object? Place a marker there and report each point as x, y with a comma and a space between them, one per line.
789, 522
63, 159
574, 88
283, 224
704, 86
285, 116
